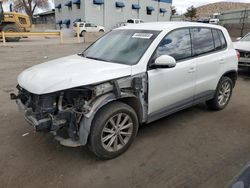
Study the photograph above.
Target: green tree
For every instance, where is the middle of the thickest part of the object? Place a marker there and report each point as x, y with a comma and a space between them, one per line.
191, 13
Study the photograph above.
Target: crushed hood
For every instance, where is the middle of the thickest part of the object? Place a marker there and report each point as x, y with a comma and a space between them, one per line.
69, 72
242, 45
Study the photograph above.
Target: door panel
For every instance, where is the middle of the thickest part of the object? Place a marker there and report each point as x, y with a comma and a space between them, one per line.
172, 87
210, 60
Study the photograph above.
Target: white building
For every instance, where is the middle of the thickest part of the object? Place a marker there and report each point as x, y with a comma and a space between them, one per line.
109, 13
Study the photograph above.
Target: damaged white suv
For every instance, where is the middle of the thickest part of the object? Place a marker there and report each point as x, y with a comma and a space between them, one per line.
131, 76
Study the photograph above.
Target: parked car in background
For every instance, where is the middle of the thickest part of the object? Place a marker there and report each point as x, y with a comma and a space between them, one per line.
203, 20
243, 46
87, 27
131, 76
215, 19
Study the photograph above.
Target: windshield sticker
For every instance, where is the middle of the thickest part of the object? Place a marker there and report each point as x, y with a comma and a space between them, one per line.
142, 35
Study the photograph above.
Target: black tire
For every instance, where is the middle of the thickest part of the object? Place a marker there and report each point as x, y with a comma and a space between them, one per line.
101, 120
11, 28
214, 104
83, 33
101, 30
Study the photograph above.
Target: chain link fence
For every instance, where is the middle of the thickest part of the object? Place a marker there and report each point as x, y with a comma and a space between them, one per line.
237, 22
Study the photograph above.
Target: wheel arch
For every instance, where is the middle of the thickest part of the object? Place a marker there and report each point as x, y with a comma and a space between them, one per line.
232, 74
86, 122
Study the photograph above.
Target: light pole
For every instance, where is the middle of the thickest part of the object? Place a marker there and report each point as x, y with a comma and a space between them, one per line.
158, 10
138, 16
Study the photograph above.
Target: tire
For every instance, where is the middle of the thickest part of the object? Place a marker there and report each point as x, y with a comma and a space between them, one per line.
222, 96
101, 30
11, 28
101, 141
83, 33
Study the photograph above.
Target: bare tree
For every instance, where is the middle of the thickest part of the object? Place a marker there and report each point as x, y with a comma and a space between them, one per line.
173, 10
29, 6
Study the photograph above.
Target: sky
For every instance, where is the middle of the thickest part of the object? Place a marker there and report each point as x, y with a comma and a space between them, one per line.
182, 5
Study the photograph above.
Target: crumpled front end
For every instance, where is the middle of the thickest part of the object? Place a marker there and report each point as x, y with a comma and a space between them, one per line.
54, 111
74, 109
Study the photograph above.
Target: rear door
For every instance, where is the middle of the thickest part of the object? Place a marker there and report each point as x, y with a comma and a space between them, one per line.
210, 58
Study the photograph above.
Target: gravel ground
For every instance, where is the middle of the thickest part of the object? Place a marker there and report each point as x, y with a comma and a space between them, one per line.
194, 148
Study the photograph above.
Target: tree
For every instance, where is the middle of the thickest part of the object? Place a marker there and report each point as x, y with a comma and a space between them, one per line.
173, 10
29, 6
191, 13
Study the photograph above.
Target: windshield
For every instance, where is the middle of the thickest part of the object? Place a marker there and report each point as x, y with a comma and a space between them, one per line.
246, 38
121, 46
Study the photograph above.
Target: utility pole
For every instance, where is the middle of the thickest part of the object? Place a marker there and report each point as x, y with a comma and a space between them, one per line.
243, 22
158, 10
104, 2
138, 15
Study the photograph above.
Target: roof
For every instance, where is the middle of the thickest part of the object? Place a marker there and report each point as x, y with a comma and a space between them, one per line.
159, 26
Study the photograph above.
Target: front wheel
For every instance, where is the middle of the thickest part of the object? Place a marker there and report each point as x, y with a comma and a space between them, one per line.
114, 129
222, 96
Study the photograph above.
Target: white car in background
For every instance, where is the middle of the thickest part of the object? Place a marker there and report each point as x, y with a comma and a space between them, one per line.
87, 27
243, 46
131, 76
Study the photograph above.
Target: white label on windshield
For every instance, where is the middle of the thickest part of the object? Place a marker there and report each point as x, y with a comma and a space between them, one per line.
142, 35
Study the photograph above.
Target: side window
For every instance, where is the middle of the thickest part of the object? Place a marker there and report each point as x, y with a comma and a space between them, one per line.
217, 41
223, 40
203, 41
92, 25
176, 44
87, 25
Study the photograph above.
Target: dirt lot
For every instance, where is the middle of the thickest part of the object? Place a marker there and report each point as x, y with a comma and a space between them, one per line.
194, 148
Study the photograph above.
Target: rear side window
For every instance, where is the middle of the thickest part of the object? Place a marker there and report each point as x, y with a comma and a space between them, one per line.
223, 40
203, 41
217, 41
176, 44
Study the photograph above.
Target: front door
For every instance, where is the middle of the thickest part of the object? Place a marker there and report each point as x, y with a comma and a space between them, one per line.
171, 89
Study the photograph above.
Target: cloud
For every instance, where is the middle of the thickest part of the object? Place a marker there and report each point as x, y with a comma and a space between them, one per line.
183, 5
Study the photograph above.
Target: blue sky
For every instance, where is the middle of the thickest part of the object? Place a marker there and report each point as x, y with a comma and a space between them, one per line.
182, 5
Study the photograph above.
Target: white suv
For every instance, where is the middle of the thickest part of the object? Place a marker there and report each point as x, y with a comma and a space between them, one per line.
88, 27
131, 76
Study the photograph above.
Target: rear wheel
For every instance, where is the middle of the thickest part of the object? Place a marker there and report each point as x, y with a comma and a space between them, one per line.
101, 30
11, 28
83, 33
114, 129
223, 94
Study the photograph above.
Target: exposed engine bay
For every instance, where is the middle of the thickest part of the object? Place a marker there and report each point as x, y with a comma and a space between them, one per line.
74, 109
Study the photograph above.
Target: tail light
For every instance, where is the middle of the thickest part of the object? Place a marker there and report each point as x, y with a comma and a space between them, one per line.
238, 55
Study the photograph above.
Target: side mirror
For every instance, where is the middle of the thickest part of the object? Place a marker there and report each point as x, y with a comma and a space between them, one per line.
164, 61
239, 38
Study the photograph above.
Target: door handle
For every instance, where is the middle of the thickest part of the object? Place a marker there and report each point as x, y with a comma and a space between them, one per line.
191, 70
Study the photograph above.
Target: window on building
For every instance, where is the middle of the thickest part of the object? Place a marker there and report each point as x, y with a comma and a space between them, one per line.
150, 10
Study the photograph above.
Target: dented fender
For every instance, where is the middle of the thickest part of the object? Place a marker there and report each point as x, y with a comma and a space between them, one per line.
86, 121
